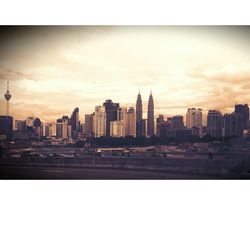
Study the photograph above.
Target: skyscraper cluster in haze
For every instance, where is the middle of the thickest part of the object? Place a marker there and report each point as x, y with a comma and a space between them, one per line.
112, 120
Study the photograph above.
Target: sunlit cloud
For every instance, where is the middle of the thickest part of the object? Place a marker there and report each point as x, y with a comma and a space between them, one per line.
54, 69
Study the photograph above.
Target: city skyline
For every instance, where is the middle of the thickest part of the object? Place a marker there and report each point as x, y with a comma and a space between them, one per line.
144, 113
48, 67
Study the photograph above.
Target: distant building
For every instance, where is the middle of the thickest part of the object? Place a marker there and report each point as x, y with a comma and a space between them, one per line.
65, 127
53, 128
150, 124
160, 125
233, 125
194, 120
125, 124
130, 122
117, 128
121, 114
37, 127
139, 122
177, 122
143, 127
59, 129
214, 123
20, 125
74, 122
243, 110
100, 121
89, 128
111, 114
46, 129
6, 126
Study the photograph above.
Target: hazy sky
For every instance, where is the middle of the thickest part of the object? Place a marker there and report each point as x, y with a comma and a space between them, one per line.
52, 70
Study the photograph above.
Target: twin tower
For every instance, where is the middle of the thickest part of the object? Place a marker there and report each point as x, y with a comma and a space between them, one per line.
145, 127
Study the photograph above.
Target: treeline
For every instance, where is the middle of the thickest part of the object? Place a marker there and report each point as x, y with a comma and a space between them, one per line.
144, 142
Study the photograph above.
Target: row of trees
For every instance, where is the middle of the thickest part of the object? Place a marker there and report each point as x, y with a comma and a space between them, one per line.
143, 141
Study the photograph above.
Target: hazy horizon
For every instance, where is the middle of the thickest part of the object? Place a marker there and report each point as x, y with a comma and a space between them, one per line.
53, 69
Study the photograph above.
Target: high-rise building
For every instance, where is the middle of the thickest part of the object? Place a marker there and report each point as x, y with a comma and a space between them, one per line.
121, 113
37, 127
111, 113
233, 125
194, 120
100, 121
20, 125
59, 129
117, 128
139, 115
74, 122
130, 122
150, 125
160, 125
143, 127
214, 123
177, 122
7, 97
89, 129
6, 126
53, 129
65, 129
46, 130
244, 111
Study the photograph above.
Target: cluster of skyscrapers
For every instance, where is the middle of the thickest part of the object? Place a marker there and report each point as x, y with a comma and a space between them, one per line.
110, 119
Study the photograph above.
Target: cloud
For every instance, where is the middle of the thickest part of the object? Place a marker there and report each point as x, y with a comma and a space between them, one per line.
10, 74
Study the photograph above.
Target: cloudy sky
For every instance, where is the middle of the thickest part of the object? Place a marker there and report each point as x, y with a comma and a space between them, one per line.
52, 70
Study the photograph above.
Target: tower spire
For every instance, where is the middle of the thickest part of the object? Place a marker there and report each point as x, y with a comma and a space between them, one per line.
7, 97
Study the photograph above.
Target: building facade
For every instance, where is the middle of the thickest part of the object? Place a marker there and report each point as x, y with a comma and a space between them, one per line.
243, 110
194, 120
214, 123
139, 122
111, 114
100, 121
6, 126
150, 122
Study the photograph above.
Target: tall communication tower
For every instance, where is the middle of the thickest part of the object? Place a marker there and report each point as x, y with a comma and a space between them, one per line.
7, 97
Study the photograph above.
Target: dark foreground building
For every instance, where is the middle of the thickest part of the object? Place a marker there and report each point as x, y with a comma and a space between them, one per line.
6, 126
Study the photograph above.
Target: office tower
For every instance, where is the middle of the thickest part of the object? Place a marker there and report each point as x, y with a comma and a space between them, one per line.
65, 127
139, 115
244, 111
74, 122
177, 122
53, 129
59, 128
89, 129
7, 97
143, 127
160, 122
100, 121
117, 128
46, 130
6, 126
37, 126
130, 122
83, 128
111, 113
121, 113
194, 120
69, 131
232, 125
150, 125
20, 125
214, 123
